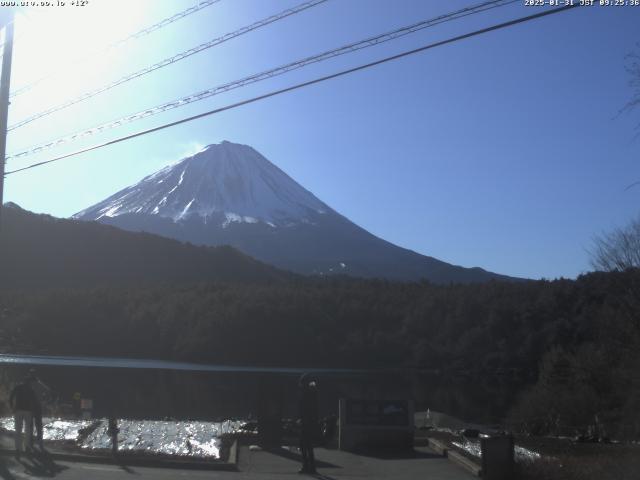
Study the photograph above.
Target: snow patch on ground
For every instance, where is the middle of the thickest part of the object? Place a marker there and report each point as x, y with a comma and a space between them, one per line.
52, 428
110, 211
474, 449
184, 211
188, 438
194, 439
234, 217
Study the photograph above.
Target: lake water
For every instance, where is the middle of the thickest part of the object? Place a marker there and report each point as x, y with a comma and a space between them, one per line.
157, 389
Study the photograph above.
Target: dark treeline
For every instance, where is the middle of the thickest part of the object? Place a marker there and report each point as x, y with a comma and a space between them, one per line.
42, 251
570, 349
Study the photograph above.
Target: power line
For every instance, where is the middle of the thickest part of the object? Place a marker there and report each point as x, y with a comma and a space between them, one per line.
196, 97
134, 36
169, 61
302, 85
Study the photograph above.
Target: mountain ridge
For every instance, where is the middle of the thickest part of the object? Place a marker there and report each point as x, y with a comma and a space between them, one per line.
41, 251
230, 194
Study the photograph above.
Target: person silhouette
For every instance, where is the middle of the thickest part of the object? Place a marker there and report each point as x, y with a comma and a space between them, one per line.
309, 422
40, 391
23, 402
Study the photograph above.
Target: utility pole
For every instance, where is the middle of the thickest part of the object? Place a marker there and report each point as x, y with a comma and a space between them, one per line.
5, 81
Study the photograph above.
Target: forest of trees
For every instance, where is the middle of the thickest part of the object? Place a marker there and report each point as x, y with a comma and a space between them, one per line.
569, 349
555, 355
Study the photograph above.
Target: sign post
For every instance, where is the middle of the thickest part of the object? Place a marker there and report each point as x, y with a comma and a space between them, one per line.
375, 424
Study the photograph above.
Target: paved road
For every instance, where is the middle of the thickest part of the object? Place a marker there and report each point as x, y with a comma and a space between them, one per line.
337, 465
253, 465
11, 469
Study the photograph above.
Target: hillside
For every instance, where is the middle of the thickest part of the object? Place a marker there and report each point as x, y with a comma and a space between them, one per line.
563, 351
43, 251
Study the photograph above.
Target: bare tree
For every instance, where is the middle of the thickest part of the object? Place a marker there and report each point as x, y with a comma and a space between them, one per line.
618, 250
633, 69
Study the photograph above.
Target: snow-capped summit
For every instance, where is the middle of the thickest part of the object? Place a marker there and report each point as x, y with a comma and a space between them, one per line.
229, 194
225, 182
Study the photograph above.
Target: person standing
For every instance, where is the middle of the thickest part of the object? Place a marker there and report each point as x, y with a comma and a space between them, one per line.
309, 417
40, 391
23, 400
112, 431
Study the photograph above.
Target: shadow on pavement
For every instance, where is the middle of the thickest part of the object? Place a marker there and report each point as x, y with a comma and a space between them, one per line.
281, 452
321, 476
401, 455
40, 463
127, 469
5, 474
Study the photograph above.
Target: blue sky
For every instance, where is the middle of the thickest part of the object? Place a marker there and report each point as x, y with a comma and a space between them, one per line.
504, 151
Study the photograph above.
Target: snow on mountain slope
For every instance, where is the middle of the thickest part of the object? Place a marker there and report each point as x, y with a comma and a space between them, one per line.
229, 194
228, 181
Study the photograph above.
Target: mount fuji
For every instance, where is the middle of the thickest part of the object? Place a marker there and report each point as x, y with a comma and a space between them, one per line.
229, 194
